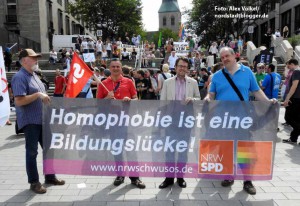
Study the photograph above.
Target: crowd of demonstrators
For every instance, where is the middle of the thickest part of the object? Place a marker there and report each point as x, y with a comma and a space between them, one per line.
125, 83
29, 94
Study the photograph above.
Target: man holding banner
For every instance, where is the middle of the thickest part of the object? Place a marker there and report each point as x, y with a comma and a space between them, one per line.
30, 94
234, 83
183, 88
118, 87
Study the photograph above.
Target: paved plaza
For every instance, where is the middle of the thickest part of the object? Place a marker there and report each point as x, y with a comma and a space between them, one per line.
282, 190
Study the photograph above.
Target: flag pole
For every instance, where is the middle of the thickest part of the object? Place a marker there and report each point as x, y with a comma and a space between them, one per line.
100, 82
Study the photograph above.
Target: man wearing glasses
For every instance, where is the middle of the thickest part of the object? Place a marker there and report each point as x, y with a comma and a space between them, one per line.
182, 88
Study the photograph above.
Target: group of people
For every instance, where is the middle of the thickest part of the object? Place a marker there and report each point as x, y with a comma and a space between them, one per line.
121, 83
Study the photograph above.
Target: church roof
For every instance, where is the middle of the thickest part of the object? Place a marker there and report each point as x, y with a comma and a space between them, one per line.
169, 6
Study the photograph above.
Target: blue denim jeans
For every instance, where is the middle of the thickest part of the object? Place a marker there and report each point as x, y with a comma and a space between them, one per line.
33, 136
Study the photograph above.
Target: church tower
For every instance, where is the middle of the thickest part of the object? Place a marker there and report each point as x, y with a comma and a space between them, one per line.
169, 15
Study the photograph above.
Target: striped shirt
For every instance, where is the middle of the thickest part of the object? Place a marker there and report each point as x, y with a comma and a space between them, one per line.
25, 83
180, 85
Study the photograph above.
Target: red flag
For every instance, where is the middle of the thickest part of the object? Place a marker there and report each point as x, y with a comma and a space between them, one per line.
79, 74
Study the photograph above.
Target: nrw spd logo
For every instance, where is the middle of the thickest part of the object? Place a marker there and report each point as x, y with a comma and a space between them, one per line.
216, 157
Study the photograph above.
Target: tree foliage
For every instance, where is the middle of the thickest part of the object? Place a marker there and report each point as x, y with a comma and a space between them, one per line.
202, 18
113, 17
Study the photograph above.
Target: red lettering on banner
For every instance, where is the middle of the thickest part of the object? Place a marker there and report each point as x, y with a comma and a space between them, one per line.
5, 82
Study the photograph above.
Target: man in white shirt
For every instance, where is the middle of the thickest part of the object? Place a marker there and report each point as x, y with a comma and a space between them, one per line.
171, 61
99, 48
53, 57
84, 46
125, 54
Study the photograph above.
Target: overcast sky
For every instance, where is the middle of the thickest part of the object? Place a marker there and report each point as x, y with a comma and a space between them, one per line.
150, 12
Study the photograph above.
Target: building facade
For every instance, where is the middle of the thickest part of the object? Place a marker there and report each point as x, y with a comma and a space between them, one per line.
169, 15
281, 13
32, 23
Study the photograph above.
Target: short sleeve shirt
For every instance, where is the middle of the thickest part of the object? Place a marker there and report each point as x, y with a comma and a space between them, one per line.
25, 83
244, 80
267, 84
59, 82
295, 76
126, 88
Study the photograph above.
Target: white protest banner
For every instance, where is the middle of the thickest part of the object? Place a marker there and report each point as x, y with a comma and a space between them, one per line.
181, 48
4, 96
89, 57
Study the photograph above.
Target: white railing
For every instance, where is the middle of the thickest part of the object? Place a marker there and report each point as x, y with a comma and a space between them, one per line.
282, 48
297, 53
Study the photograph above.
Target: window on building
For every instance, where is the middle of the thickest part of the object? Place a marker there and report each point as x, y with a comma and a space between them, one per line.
73, 27
265, 8
11, 16
272, 25
50, 11
297, 18
60, 22
60, 2
172, 20
284, 1
11, 2
66, 4
286, 19
263, 29
272, 5
164, 21
11, 9
68, 25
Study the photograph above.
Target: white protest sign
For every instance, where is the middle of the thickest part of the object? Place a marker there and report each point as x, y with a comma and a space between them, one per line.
89, 57
4, 97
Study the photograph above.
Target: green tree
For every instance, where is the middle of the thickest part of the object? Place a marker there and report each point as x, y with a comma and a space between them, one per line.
113, 17
202, 18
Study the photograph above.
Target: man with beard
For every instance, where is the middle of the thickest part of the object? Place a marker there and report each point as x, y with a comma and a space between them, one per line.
30, 94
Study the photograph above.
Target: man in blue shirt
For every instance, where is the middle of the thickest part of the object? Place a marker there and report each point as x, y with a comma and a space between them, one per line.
220, 89
271, 83
30, 94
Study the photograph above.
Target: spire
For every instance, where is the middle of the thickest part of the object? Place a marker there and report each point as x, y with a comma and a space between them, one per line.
169, 6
